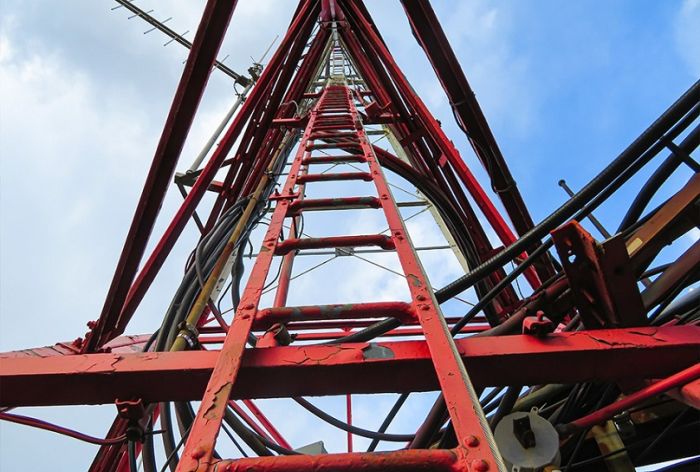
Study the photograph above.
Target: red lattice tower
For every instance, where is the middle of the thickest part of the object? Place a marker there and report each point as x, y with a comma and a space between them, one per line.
314, 104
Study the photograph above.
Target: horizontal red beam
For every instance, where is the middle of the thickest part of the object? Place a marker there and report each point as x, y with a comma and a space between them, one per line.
326, 335
338, 203
305, 178
477, 324
334, 159
284, 314
361, 240
404, 366
396, 461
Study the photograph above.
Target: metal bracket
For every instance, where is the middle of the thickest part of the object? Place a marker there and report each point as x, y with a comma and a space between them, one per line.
601, 278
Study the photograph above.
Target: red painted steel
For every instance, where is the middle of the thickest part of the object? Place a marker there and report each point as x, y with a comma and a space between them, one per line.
167, 241
399, 461
198, 450
266, 423
224, 371
445, 145
676, 380
205, 46
607, 354
384, 242
456, 386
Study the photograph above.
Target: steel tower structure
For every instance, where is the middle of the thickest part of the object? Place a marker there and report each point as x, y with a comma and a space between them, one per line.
596, 367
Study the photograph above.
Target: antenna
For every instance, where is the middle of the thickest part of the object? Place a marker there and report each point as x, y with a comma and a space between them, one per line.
179, 38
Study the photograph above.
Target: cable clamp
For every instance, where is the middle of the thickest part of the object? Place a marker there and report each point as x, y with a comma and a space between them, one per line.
189, 333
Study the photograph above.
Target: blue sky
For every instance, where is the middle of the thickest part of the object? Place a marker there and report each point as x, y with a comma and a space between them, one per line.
565, 85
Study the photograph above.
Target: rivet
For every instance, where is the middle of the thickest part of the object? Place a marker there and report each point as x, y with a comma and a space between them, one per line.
198, 453
480, 465
471, 441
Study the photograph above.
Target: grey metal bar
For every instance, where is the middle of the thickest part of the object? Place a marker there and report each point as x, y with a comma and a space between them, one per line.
241, 79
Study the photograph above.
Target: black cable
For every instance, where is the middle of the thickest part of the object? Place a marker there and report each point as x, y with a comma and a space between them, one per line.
686, 280
486, 299
387, 421
648, 141
148, 457
491, 395
350, 428
563, 414
582, 435
131, 450
657, 179
661, 435
691, 315
199, 265
233, 440
506, 404
636, 445
276, 277
492, 405
170, 456
166, 425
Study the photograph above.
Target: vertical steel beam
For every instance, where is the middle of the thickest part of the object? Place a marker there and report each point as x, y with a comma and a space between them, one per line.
207, 42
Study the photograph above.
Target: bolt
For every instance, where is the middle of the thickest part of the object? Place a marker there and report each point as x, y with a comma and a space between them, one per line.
249, 306
480, 465
420, 297
198, 453
471, 441
424, 307
91, 324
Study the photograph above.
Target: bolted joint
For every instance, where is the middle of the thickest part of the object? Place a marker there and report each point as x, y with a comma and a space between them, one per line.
276, 335
537, 325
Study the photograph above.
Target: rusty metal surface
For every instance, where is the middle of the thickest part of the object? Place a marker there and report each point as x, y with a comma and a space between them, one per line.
601, 277
399, 366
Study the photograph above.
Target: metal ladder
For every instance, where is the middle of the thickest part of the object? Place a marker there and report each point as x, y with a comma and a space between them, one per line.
335, 124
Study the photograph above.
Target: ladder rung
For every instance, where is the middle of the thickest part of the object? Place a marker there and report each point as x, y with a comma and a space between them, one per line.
334, 111
334, 159
269, 316
362, 240
302, 179
343, 203
336, 145
332, 135
332, 122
